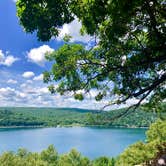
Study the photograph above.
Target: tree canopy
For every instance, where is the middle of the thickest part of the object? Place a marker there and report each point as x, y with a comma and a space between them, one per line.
148, 153
128, 58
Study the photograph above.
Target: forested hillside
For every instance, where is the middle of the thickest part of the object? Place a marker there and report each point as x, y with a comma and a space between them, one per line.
19, 116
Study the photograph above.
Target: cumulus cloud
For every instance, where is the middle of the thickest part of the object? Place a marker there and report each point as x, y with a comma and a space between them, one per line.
31, 92
43, 90
73, 29
11, 81
38, 95
37, 55
28, 74
10, 95
38, 78
7, 92
7, 60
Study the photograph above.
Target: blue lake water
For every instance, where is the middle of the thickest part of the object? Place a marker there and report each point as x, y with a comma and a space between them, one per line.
91, 142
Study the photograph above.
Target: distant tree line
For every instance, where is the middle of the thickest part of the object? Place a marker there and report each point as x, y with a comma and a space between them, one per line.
70, 117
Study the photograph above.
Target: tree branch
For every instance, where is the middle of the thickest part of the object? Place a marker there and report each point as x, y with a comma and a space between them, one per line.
133, 107
151, 87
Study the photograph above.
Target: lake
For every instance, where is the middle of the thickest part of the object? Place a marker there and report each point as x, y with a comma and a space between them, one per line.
91, 142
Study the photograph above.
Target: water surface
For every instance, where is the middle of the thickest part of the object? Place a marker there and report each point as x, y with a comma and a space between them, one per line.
91, 142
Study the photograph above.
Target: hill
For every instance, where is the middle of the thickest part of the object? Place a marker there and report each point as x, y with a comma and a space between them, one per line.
46, 117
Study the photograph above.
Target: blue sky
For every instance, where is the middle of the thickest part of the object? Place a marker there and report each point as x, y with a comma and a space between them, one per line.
22, 63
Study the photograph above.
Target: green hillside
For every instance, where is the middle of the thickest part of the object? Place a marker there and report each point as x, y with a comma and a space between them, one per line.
47, 117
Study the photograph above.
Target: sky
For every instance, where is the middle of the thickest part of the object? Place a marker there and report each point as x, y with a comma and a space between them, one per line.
22, 62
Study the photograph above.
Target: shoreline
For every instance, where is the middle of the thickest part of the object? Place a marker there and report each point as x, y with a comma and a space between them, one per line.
68, 126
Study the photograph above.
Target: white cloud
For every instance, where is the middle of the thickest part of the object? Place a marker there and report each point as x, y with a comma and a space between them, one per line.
38, 78
23, 85
7, 91
11, 81
14, 1
22, 95
28, 74
29, 81
7, 60
38, 95
43, 90
73, 29
28, 92
37, 55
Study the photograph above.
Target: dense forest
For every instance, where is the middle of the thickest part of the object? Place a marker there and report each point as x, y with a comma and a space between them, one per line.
46, 117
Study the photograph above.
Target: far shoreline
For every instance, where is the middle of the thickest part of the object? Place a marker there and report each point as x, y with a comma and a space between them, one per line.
70, 126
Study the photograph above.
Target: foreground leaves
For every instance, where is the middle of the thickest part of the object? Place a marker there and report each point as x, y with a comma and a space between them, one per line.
126, 61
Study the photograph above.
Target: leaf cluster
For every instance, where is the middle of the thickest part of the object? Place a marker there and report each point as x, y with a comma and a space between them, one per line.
128, 60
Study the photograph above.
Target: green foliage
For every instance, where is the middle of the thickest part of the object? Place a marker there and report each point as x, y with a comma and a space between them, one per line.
135, 154
157, 131
74, 158
104, 161
50, 156
22, 152
12, 159
42, 15
129, 52
17, 116
79, 96
67, 38
140, 152
33, 117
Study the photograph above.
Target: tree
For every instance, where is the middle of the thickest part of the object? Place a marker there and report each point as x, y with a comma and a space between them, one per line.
146, 153
128, 55
50, 155
104, 161
74, 158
